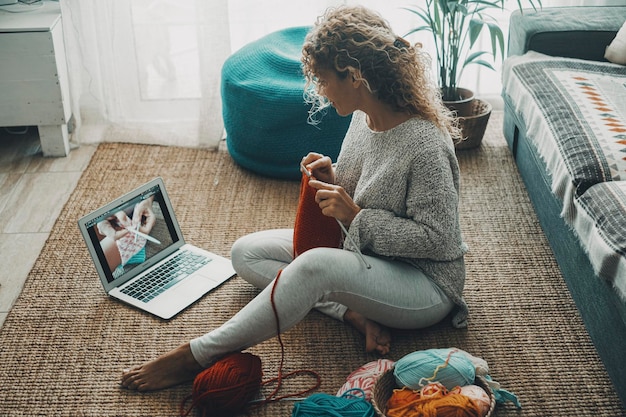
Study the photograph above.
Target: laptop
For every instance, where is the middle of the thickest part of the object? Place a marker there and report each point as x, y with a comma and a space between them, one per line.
141, 256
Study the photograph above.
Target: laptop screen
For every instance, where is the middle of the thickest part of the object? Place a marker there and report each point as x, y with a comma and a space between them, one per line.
127, 235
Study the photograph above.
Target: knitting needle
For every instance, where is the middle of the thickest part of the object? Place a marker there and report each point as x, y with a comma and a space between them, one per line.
138, 233
304, 170
358, 251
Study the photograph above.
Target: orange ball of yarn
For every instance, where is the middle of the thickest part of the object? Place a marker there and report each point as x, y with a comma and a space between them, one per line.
436, 403
401, 398
227, 387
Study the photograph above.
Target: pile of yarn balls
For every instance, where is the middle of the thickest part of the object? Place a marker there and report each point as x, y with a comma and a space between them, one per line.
438, 382
435, 382
454, 372
352, 400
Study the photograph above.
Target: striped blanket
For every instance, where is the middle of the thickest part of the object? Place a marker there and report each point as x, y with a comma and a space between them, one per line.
575, 115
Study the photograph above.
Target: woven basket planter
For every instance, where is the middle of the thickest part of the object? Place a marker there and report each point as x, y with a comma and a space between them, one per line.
474, 126
386, 383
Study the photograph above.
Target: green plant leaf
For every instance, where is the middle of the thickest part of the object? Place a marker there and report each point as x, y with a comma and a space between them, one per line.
480, 62
497, 39
533, 3
418, 29
421, 13
475, 27
485, 4
471, 57
456, 7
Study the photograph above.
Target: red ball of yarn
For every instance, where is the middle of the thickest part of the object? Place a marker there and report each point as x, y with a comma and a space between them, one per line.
227, 387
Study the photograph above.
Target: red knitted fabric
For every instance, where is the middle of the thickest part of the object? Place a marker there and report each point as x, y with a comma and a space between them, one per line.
313, 229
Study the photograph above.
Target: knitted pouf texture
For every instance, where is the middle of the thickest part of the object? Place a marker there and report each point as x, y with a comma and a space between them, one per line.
264, 112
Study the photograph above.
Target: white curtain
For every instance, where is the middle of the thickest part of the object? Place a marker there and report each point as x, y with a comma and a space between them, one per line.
148, 71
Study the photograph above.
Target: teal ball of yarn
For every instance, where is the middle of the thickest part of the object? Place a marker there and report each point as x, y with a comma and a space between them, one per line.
417, 369
320, 405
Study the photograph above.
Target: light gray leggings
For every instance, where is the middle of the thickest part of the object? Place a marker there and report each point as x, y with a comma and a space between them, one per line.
392, 293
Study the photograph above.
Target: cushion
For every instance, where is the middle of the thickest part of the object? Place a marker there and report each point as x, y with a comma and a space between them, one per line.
264, 112
575, 32
616, 51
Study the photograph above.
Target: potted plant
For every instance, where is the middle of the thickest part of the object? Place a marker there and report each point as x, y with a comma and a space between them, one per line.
455, 26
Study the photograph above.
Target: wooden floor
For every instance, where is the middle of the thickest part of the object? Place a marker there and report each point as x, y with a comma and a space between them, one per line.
33, 190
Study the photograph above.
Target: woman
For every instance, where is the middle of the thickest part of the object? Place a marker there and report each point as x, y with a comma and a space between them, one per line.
395, 188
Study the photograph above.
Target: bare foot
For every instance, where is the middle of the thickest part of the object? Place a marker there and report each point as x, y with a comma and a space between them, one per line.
172, 368
377, 337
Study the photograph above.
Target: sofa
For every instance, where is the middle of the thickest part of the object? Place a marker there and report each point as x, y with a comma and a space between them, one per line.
565, 124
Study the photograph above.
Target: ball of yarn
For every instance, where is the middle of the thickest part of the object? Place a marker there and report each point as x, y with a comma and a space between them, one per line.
227, 387
405, 400
480, 397
365, 377
431, 401
447, 366
326, 405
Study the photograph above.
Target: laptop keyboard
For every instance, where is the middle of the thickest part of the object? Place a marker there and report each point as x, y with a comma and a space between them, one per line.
165, 276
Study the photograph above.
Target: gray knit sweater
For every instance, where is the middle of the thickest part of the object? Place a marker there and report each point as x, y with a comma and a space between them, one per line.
406, 181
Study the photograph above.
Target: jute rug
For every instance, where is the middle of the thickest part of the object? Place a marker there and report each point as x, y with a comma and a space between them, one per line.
64, 344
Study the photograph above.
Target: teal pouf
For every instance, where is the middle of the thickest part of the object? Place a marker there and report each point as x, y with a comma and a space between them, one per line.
264, 112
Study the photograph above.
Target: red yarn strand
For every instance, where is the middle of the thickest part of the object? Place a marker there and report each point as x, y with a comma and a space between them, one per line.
279, 378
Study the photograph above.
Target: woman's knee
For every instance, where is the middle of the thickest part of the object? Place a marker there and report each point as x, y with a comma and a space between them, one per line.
239, 254
259, 252
320, 263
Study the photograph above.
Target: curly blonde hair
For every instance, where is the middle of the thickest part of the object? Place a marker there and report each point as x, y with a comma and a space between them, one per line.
354, 40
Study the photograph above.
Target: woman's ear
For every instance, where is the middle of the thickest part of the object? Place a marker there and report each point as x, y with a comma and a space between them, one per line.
356, 78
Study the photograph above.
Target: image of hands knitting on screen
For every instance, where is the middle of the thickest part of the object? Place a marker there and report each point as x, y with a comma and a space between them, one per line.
393, 192
125, 234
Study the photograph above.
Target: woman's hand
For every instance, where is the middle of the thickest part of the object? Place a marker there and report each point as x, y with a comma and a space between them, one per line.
114, 227
320, 166
143, 216
335, 202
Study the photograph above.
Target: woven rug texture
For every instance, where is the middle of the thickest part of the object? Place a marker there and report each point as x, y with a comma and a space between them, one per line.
65, 343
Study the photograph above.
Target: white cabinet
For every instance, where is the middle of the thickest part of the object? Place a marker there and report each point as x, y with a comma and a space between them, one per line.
33, 75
